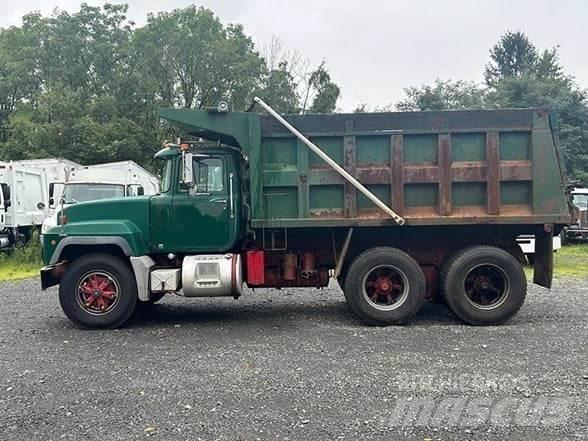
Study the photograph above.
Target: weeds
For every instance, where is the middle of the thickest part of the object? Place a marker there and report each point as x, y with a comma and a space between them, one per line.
23, 261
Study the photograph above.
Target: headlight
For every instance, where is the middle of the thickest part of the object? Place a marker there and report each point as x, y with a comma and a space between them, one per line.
48, 223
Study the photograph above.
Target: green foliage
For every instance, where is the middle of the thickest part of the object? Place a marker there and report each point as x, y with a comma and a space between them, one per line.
326, 92
443, 95
23, 261
515, 56
280, 90
86, 85
29, 253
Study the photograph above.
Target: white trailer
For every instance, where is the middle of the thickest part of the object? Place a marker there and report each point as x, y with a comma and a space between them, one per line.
23, 201
101, 181
57, 172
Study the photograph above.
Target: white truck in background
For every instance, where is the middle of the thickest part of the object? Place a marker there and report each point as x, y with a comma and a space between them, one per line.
23, 202
57, 170
100, 181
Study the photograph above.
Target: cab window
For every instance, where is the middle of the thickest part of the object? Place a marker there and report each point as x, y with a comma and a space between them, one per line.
167, 177
208, 175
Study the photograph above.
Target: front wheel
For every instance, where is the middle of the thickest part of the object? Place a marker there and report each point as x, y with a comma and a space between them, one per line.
484, 285
98, 291
384, 286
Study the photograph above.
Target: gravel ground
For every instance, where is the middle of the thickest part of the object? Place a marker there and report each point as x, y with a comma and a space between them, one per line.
292, 364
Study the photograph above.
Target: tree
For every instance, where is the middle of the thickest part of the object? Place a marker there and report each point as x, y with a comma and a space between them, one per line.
325, 92
86, 85
515, 56
443, 95
193, 61
279, 90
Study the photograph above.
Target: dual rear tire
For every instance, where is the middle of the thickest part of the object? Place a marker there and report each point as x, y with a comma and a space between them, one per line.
482, 285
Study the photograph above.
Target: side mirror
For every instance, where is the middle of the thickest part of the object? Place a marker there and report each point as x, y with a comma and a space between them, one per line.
41, 206
6, 194
187, 171
140, 191
51, 190
51, 203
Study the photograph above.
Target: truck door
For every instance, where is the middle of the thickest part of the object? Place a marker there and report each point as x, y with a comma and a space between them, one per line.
201, 218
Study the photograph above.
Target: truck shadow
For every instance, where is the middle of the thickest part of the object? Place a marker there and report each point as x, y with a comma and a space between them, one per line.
270, 314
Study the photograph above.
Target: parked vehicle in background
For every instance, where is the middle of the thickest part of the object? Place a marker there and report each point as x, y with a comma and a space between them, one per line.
527, 244
398, 207
100, 181
57, 171
23, 202
579, 230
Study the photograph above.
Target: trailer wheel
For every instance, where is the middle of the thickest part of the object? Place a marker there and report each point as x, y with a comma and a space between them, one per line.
484, 285
98, 291
384, 286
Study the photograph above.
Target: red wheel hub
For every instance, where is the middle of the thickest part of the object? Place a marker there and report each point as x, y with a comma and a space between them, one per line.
98, 292
385, 285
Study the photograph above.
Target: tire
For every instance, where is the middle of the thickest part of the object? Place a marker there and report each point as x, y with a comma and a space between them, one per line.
563, 236
484, 285
98, 291
385, 286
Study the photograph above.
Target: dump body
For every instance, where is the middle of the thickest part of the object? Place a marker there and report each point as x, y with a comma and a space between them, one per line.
432, 168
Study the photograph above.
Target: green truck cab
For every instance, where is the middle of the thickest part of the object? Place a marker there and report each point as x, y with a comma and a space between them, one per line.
399, 208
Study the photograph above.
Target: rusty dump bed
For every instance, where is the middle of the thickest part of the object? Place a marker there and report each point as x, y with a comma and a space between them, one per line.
432, 168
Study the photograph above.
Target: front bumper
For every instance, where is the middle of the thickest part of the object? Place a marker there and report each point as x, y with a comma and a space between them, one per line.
51, 275
575, 231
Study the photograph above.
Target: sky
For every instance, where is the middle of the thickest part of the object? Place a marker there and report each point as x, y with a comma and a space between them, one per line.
375, 48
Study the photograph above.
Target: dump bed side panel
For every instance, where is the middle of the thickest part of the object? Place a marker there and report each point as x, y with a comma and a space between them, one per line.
430, 167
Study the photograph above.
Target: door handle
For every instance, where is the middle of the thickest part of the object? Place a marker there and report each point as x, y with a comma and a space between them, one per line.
231, 195
219, 201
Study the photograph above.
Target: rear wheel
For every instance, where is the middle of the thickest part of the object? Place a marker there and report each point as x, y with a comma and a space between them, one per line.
384, 286
98, 291
484, 285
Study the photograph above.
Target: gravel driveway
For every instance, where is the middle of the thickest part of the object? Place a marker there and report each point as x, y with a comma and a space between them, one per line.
292, 364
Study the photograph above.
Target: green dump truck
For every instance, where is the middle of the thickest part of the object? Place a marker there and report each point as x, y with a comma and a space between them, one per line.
399, 208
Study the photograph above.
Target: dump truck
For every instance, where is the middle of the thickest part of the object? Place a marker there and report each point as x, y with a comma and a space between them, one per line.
399, 208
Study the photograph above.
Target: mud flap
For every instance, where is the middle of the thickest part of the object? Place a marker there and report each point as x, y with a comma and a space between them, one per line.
543, 267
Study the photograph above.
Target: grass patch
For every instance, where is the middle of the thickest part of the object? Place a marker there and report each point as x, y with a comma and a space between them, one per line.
571, 261
23, 261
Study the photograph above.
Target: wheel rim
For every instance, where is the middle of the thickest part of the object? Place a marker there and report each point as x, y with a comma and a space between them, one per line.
385, 287
98, 292
486, 286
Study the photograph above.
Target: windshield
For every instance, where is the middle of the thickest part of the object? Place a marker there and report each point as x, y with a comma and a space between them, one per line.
74, 193
581, 201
